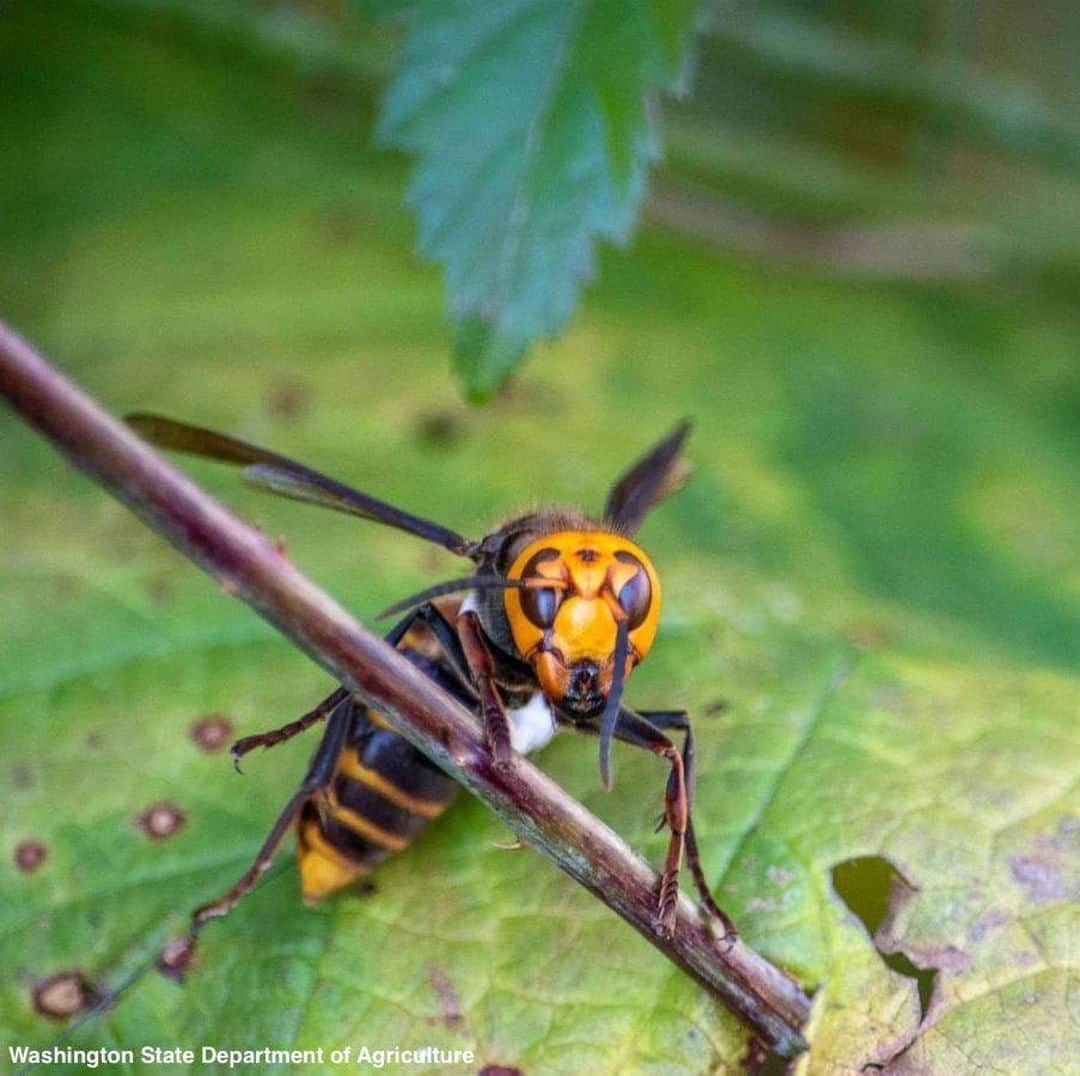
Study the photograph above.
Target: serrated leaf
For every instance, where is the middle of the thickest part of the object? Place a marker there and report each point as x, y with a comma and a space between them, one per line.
531, 127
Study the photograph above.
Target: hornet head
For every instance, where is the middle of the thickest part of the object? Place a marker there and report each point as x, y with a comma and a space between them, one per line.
602, 585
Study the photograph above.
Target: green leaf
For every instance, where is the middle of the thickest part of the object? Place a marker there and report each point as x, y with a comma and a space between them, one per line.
531, 126
873, 565
483, 357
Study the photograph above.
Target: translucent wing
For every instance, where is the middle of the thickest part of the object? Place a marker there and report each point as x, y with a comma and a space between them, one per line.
658, 474
287, 478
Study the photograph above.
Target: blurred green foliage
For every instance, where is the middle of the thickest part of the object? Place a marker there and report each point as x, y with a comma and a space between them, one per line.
930, 139
875, 565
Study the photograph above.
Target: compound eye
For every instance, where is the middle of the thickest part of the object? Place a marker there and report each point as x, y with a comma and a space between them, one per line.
635, 596
541, 603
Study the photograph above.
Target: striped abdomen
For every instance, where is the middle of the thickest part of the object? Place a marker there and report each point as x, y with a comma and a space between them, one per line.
382, 794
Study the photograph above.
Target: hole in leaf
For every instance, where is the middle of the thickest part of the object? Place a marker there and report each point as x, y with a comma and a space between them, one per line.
872, 888
924, 977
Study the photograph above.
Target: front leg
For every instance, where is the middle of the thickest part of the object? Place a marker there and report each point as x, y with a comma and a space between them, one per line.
481, 664
680, 720
642, 731
634, 729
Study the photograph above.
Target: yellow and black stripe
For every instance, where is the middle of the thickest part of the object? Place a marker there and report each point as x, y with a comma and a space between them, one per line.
382, 794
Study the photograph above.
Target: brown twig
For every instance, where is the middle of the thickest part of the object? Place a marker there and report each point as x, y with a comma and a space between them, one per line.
249, 566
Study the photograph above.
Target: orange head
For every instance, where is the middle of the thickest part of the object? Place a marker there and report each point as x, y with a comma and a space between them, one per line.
568, 632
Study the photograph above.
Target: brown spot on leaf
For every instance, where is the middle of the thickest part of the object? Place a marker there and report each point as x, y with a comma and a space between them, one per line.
62, 995
174, 960
288, 400
448, 998
439, 429
29, 855
500, 1070
21, 777
161, 820
717, 706
212, 732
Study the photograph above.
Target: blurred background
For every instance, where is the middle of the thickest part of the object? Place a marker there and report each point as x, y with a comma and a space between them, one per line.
863, 242
857, 268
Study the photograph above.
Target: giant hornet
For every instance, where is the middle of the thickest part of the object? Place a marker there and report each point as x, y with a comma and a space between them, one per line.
559, 610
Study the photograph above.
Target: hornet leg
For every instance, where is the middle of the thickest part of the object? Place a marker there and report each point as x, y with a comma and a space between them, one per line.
287, 732
641, 731
175, 958
482, 667
679, 720
443, 631
427, 615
